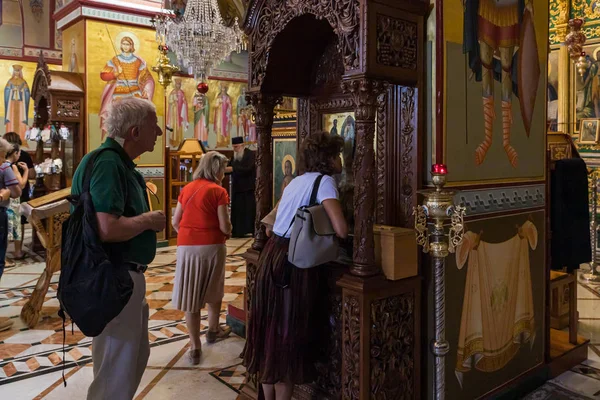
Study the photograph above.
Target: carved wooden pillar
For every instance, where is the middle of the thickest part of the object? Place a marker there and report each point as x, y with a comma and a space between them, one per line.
263, 114
365, 93
381, 338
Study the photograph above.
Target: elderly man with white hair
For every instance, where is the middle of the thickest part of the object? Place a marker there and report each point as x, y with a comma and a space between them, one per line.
128, 230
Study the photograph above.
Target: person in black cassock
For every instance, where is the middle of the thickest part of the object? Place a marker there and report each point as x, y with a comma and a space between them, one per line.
243, 175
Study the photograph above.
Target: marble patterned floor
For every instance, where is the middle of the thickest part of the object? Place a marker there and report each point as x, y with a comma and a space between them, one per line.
582, 381
31, 360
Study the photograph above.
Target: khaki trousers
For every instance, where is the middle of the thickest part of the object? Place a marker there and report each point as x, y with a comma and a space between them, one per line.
120, 353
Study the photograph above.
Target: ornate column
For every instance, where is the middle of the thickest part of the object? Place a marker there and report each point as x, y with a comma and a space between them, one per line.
564, 67
263, 113
364, 92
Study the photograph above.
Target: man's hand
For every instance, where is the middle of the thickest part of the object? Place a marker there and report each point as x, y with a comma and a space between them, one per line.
156, 220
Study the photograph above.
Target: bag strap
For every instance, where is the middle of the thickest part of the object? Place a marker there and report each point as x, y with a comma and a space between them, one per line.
315, 191
191, 197
87, 176
312, 201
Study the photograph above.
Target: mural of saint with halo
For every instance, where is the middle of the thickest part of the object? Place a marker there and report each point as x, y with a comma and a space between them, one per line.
288, 166
126, 74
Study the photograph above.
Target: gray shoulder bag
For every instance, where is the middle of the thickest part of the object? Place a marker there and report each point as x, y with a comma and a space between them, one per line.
313, 241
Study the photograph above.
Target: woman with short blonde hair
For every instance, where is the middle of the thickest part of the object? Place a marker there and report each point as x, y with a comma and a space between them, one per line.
202, 222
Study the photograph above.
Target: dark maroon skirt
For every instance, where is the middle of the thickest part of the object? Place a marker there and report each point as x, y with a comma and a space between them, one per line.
283, 328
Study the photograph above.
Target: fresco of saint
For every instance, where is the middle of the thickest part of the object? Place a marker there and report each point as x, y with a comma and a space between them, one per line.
222, 117
127, 76
16, 103
201, 114
177, 115
242, 115
493, 30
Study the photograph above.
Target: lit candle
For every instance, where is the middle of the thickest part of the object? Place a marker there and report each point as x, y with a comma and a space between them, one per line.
439, 169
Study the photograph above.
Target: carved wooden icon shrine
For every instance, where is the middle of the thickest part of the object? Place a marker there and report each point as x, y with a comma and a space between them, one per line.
365, 57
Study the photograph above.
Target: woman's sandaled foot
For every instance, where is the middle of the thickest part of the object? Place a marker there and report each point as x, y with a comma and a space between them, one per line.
21, 256
194, 356
222, 333
9, 263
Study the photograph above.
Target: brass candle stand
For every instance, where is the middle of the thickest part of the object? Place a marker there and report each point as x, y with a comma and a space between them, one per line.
438, 208
593, 276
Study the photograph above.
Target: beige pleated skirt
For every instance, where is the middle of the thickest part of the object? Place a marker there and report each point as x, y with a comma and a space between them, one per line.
199, 276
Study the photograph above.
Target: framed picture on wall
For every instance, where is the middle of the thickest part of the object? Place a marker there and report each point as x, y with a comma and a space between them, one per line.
588, 131
284, 164
344, 125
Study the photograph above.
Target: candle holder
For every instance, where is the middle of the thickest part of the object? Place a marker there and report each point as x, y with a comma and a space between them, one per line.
593, 276
164, 68
438, 208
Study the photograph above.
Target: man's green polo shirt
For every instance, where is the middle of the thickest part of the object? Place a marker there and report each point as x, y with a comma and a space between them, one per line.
117, 188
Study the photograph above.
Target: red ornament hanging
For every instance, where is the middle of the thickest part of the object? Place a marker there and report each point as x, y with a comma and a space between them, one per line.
202, 87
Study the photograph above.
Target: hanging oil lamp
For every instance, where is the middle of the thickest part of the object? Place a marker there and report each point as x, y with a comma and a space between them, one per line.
163, 67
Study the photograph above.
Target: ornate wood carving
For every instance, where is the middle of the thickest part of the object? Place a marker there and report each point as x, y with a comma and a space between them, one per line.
303, 119
351, 348
382, 139
365, 93
263, 106
268, 19
68, 108
330, 372
408, 155
303, 129
331, 66
396, 42
392, 347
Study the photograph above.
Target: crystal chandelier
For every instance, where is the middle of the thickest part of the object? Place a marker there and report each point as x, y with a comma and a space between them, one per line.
199, 38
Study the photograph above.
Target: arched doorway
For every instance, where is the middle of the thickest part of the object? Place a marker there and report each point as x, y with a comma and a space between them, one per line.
340, 56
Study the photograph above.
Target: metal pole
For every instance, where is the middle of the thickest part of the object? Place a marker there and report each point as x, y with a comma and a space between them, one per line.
437, 208
440, 346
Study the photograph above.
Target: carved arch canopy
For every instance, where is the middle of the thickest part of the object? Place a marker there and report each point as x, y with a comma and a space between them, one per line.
267, 18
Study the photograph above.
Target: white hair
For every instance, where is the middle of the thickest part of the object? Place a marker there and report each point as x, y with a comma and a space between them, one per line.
5, 146
125, 114
210, 165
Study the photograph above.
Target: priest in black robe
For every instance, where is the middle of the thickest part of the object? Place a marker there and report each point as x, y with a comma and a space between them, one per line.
243, 176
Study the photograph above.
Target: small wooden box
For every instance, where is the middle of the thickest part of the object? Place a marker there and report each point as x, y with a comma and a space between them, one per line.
560, 299
396, 251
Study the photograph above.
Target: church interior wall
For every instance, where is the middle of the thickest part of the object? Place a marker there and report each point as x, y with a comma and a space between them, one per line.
103, 43
499, 196
37, 17
7, 68
201, 112
26, 28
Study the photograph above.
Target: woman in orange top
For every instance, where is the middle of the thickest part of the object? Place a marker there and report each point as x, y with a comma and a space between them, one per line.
202, 222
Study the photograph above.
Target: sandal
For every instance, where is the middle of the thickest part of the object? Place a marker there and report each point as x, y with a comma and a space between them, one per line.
194, 356
9, 263
222, 333
21, 257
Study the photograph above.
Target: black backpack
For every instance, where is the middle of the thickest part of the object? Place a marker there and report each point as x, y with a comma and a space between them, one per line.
92, 288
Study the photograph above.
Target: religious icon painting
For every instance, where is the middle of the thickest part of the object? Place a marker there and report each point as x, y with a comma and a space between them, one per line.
223, 116
586, 95
16, 102
344, 125
588, 131
499, 270
288, 104
177, 114
126, 75
495, 124
284, 165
